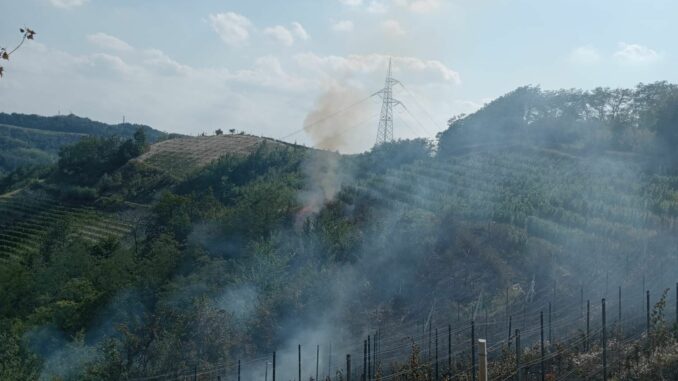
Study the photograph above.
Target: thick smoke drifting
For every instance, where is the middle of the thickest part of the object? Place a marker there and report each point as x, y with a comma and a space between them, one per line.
334, 124
339, 119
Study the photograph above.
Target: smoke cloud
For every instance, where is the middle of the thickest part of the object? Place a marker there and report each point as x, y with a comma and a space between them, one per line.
336, 123
339, 119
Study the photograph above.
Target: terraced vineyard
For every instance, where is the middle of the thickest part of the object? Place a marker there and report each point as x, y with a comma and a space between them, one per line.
584, 209
27, 219
181, 156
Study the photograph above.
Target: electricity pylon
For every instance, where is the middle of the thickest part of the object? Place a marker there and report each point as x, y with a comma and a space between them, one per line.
385, 131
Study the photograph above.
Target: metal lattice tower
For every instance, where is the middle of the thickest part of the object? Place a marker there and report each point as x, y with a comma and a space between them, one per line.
385, 131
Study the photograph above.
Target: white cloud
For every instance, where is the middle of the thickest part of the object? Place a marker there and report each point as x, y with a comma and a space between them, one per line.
392, 28
585, 55
161, 63
419, 6
351, 3
281, 34
343, 26
151, 87
370, 63
635, 54
299, 31
232, 28
424, 6
67, 3
287, 36
108, 42
374, 6
377, 6
107, 65
268, 72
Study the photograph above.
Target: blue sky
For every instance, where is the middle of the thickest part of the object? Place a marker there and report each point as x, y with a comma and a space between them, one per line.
266, 67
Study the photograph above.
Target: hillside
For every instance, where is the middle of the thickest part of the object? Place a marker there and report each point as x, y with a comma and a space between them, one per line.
182, 258
29, 217
78, 125
32, 140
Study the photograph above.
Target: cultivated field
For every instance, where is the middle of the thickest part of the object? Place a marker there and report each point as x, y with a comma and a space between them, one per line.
29, 219
181, 156
581, 210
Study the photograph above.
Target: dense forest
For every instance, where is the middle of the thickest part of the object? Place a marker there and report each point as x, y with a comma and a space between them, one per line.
114, 269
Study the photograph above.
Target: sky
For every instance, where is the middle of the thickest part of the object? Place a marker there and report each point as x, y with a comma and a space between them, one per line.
272, 67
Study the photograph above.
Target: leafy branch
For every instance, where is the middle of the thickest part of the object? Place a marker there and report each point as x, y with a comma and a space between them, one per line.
26, 34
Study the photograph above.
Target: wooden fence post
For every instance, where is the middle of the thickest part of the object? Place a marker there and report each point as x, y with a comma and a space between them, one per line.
449, 349
348, 368
647, 310
518, 370
473, 352
508, 340
364, 360
429, 344
550, 330
581, 307
588, 325
541, 324
604, 344
437, 372
482, 357
369, 359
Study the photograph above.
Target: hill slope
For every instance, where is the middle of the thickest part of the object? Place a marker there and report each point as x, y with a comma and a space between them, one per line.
228, 248
27, 140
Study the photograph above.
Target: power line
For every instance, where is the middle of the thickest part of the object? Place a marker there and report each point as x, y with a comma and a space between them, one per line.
385, 130
408, 126
424, 129
416, 102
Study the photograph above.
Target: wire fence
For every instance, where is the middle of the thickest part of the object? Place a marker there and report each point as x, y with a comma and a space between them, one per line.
400, 351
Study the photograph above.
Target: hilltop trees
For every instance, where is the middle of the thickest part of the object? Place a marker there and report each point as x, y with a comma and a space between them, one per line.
391, 155
634, 120
86, 161
79, 125
663, 117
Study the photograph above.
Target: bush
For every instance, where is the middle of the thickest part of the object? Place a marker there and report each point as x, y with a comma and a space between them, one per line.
77, 193
85, 162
